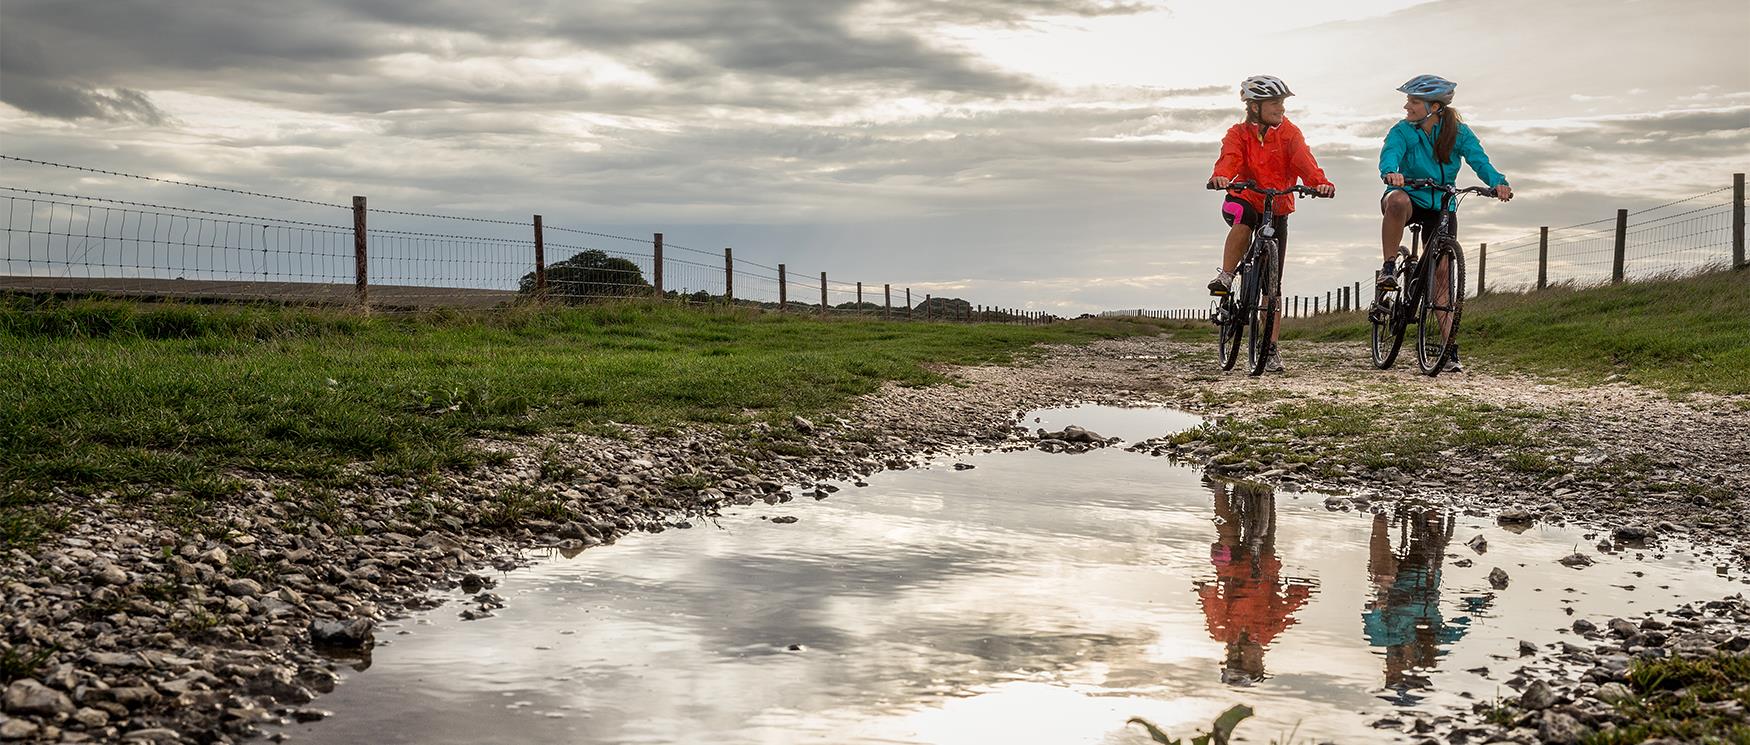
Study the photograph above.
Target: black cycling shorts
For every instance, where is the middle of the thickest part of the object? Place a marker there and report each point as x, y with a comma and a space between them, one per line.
1235, 208
1427, 217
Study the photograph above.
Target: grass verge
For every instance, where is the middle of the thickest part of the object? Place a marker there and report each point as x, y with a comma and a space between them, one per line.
1690, 699
114, 395
1679, 334
1407, 432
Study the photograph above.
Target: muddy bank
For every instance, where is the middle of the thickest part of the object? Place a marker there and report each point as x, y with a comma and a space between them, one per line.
128, 628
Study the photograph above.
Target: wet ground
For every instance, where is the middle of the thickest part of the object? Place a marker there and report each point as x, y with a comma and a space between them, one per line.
1034, 598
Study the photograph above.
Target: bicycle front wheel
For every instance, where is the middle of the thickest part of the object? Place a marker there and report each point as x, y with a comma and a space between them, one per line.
1261, 323
1229, 327
1442, 305
1388, 332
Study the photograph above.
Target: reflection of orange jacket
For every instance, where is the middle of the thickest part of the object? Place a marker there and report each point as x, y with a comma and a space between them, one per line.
1258, 607
1274, 163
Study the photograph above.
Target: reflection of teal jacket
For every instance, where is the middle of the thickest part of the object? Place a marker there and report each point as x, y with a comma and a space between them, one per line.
1413, 602
1410, 151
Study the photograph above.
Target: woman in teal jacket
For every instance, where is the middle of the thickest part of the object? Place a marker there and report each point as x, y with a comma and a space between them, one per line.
1426, 145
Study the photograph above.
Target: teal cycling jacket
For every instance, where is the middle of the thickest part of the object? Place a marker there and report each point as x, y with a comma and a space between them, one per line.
1410, 151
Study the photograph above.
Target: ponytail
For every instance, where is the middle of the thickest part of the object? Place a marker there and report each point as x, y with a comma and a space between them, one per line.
1448, 139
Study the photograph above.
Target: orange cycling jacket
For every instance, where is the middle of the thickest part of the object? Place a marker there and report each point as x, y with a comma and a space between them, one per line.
1273, 163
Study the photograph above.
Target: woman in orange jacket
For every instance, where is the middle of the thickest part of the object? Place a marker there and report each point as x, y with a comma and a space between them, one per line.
1268, 150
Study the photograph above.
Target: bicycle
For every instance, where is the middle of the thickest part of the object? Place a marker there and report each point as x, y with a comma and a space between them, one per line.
1245, 310
1430, 288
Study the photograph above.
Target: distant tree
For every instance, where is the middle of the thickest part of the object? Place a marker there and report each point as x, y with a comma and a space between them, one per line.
944, 307
590, 275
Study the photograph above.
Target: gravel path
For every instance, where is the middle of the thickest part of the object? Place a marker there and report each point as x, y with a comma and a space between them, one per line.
127, 628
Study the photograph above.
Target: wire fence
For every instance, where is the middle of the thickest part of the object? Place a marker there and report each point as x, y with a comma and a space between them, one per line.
61, 244
1698, 233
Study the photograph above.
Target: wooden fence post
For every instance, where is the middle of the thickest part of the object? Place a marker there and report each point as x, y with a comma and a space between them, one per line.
1355, 299
886, 301
1738, 220
1482, 268
1616, 265
728, 276
783, 290
656, 265
908, 308
927, 307
823, 305
1543, 257
859, 298
360, 267
540, 261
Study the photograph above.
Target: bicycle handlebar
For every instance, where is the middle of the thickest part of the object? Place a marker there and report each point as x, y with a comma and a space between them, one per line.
1428, 183
1305, 191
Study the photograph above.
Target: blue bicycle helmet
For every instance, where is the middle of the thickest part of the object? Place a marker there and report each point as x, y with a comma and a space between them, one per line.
1430, 88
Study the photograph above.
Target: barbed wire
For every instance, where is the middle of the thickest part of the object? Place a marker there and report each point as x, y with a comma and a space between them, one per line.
1681, 201
436, 216
666, 245
1674, 216
651, 240
190, 184
446, 236
177, 209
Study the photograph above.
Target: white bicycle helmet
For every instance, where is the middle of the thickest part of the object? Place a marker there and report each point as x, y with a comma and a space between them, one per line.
1263, 87
1430, 88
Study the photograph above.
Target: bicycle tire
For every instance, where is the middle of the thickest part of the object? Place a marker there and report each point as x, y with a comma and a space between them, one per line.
1388, 332
1228, 331
1431, 354
1262, 320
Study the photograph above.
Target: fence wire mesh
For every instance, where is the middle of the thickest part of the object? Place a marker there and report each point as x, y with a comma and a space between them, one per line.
71, 244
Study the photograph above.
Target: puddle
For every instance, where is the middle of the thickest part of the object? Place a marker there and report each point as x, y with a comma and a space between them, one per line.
1036, 598
1129, 424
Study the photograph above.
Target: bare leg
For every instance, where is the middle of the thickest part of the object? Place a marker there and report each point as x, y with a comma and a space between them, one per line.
1238, 237
1396, 208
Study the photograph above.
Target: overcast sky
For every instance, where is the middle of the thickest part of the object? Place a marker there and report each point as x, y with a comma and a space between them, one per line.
1046, 154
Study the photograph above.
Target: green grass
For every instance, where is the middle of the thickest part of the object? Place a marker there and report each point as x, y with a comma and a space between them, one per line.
1678, 334
1671, 697
1406, 431
100, 395
23, 661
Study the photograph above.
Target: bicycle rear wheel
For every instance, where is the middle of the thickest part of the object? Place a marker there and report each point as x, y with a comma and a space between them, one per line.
1388, 331
1442, 305
1261, 321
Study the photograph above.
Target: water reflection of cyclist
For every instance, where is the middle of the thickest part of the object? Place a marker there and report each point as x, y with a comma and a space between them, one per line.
1249, 603
1404, 615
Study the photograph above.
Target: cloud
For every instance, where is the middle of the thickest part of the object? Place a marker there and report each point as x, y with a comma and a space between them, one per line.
340, 56
68, 101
